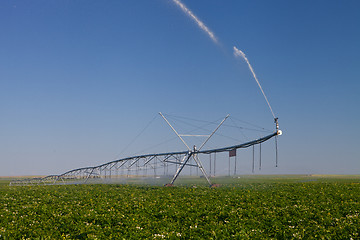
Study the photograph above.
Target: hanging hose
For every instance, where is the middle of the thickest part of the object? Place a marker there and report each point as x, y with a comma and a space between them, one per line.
276, 151
260, 157
253, 159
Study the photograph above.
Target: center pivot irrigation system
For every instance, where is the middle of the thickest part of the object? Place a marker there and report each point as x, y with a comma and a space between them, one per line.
158, 165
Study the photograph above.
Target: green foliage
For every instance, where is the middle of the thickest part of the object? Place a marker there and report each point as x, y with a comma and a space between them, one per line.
241, 209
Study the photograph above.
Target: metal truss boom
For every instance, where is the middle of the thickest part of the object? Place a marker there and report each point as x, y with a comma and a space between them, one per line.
137, 163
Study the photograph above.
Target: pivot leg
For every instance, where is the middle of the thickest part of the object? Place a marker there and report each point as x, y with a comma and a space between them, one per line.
180, 168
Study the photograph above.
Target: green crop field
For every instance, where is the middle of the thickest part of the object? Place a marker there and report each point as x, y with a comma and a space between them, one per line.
249, 207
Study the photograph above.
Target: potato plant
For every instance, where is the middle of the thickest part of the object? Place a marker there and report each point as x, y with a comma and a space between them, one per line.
240, 209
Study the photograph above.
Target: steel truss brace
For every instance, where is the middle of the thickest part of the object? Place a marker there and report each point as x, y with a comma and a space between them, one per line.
192, 153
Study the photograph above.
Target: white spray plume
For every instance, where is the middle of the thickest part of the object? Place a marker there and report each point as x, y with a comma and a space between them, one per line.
197, 20
239, 53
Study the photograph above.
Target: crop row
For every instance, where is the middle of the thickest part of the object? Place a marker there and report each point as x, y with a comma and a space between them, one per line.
327, 210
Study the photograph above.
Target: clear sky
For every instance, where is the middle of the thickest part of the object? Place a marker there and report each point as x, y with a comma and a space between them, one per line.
80, 79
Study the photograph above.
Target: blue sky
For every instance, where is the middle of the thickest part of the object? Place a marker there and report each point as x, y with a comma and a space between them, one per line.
80, 79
